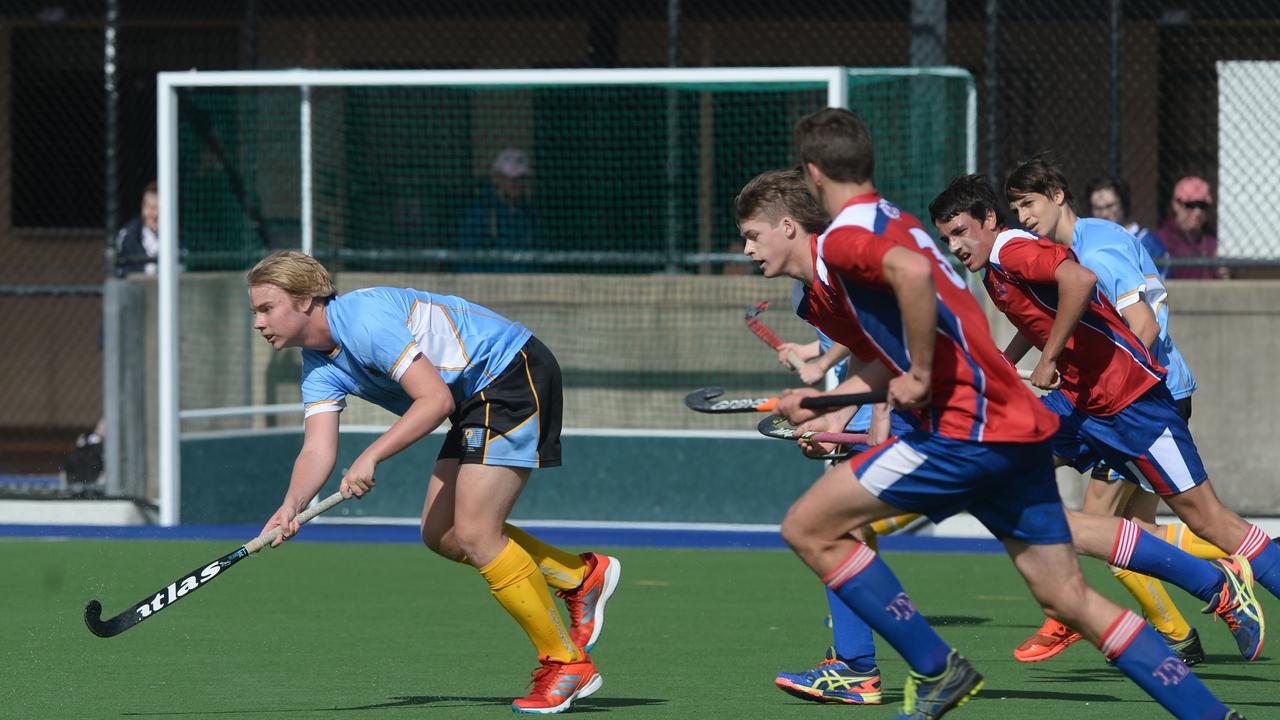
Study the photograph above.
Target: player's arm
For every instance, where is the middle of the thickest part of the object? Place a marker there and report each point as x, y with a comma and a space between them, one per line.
864, 376
814, 371
911, 277
1075, 289
806, 352
432, 404
880, 424
310, 470
1142, 321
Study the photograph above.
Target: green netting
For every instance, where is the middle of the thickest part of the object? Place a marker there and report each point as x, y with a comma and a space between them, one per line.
620, 249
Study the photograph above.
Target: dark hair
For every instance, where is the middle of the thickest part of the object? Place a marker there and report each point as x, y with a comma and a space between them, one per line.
150, 189
1037, 175
775, 193
967, 194
1114, 184
838, 142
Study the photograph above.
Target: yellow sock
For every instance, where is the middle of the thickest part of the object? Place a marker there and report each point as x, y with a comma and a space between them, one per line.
890, 525
563, 570
1190, 543
1156, 604
514, 580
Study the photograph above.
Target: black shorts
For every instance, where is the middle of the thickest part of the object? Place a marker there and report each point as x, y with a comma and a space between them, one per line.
515, 420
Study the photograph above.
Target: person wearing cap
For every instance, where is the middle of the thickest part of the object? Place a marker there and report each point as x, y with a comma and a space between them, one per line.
1185, 233
502, 219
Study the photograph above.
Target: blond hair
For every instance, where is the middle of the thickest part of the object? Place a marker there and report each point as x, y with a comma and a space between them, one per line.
775, 193
299, 275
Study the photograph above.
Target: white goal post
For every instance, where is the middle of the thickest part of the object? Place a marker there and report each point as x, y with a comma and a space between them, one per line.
837, 81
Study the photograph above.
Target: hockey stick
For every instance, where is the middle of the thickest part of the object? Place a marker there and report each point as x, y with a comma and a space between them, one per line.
758, 327
704, 400
776, 426
190, 582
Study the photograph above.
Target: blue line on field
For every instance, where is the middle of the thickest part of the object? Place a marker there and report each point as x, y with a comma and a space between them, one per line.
576, 536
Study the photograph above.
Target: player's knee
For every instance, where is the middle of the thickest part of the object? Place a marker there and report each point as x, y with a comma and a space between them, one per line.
1062, 600
469, 538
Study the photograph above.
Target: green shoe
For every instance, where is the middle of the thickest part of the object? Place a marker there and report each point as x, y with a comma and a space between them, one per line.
929, 698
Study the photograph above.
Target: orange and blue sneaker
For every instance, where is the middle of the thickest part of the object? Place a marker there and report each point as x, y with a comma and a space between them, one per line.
1052, 638
557, 684
832, 681
1236, 604
929, 698
586, 602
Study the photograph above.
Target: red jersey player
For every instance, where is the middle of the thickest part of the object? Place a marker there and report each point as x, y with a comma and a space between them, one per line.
876, 283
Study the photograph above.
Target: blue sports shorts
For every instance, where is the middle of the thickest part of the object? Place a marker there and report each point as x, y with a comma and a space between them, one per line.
1009, 487
1148, 442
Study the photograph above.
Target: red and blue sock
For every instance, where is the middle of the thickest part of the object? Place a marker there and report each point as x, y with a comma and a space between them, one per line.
1264, 556
1143, 553
867, 585
1139, 652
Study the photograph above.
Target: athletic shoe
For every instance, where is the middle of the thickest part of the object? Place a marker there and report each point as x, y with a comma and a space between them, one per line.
1052, 638
1238, 606
1233, 715
1188, 649
928, 698
557, 684
586, 602
832, 681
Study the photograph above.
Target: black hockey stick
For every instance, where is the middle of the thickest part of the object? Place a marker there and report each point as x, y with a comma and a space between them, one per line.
776, 426
704, 400
190, 582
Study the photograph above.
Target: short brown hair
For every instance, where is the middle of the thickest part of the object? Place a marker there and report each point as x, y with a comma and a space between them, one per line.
839, 142
299, 275
1037, 175
776, 193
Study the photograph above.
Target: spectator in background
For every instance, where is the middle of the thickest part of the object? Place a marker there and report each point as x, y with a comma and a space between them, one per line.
1109, 199
138, 242
502, 220
1186, 231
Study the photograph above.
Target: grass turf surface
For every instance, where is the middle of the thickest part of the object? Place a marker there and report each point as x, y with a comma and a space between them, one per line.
390, 631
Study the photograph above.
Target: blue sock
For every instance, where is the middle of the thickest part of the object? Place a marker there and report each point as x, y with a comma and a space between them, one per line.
872, 591
1264, 557
1142, 654
851, 636
1143, 553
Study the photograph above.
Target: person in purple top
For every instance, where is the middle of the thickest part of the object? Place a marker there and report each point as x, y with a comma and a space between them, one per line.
1186, 232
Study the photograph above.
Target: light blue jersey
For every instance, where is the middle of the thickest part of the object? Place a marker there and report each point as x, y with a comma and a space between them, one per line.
380, 330
1126, 275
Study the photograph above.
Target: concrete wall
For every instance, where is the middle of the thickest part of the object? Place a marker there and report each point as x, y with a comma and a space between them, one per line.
632, 346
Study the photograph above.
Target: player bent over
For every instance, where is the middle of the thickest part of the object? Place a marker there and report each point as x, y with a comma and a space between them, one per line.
428, 358
1038, 193
876, 283
1113, 405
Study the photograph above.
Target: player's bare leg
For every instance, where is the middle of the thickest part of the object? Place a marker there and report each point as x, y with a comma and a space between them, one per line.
818, 527
1053, 575
463, 518
1108, 495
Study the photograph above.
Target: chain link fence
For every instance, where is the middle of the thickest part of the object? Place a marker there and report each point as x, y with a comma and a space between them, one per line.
1149, 91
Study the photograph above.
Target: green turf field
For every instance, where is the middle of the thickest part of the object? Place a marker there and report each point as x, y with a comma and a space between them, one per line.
390, 631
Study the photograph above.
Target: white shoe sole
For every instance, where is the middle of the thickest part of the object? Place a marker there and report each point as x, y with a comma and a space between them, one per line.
587, 691
611, 576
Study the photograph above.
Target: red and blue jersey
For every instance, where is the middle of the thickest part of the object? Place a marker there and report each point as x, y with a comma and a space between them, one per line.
1104, 366
977, 395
